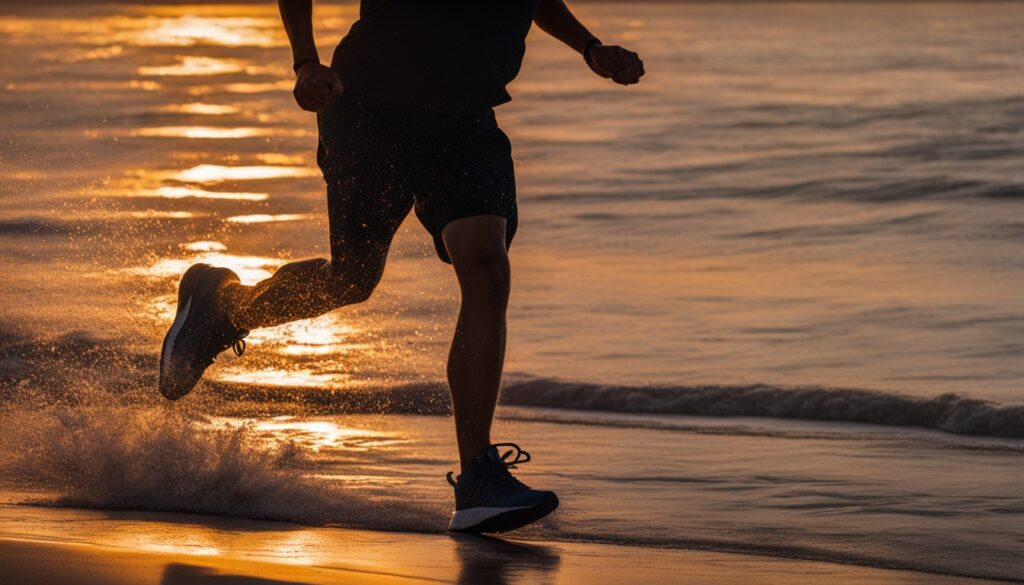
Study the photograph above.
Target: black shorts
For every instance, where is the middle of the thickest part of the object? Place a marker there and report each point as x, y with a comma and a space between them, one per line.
381, 162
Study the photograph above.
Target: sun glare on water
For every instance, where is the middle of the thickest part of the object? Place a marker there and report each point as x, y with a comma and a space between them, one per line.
217, 173
324, 335
267, 218
322, 433
193, 30
297, 378
201, 108
204, 246
192, 65
250, 269
170, 192
203, 132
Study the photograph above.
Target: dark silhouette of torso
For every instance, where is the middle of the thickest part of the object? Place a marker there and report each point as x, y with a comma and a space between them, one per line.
434, 53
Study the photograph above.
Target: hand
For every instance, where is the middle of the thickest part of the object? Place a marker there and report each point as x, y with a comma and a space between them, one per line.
316, 86
615, 63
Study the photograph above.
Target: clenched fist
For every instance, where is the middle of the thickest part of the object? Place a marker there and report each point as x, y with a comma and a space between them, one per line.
615, 63
316, 86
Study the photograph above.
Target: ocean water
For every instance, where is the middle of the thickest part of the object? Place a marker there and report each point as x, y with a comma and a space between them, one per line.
769, 300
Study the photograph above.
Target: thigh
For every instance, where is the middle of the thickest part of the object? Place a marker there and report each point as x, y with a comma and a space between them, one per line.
476, 241
472, 175
367, 198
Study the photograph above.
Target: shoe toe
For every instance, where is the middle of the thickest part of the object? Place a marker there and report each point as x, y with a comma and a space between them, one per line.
533, 499
176, 387
178, 379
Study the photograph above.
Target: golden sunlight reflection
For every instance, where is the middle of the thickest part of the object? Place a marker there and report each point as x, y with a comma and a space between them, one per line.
205, 246
217, 173
283, 85
250, 269
202, 109
160, 540
153, 214
183, 549
71, 85
317, 434
202, 132
229, 31
300, 547
267, 218
309, 349
191, 65
281, 158
96, 54
281, 377
323, 335
183, 192
322, 433
144, 84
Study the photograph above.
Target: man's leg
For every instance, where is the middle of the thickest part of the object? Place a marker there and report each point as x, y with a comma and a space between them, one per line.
476, 246
302, 290
215, 312
361, 158
366, 203
487, 497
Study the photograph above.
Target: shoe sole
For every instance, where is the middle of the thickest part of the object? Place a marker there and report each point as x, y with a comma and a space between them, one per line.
180, 318
172, 336
480, 520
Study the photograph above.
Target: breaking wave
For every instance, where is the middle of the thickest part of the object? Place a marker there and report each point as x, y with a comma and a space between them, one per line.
157, 459
76, 369
950, 413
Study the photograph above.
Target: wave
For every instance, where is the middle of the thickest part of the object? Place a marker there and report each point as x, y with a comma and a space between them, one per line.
88, 368
951, 413
161, 459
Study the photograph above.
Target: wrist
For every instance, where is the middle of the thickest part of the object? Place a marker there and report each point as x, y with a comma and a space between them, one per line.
300, 63
594, 42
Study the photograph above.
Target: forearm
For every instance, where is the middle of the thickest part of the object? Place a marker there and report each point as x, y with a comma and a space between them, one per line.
297, 16
555, 18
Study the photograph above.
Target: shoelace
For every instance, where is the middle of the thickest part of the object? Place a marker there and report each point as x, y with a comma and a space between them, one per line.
502, 466
238, 345
521, 455
234, 341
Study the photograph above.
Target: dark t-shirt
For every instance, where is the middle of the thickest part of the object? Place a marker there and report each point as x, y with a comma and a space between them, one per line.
434, 53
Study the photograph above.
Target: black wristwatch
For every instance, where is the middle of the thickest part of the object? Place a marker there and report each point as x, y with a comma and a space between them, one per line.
590, 45
298, 64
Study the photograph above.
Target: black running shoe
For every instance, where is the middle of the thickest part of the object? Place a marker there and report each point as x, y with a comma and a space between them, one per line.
200, 331
489, 499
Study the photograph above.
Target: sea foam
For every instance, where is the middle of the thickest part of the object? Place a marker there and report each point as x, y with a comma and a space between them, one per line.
160, 459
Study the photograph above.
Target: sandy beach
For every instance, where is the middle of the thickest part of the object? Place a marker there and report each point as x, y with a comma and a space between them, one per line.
49, 546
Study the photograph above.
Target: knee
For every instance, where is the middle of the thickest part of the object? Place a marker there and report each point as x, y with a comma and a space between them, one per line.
354, 280
486, 275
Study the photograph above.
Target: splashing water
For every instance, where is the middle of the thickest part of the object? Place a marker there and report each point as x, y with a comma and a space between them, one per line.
155, 458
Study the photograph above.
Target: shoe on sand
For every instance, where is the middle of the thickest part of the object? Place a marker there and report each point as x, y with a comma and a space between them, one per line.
489, 499
199, 332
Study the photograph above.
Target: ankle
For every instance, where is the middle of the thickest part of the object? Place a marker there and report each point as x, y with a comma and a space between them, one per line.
470, 454
227, 300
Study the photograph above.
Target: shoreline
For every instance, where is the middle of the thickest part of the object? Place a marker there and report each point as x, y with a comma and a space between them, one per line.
115, 548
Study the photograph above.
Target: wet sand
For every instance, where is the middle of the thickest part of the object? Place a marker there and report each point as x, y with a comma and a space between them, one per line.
43, 546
